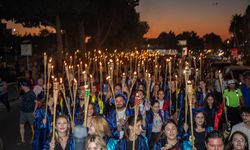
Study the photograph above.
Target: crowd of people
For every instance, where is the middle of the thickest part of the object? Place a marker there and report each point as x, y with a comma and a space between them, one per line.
214, 117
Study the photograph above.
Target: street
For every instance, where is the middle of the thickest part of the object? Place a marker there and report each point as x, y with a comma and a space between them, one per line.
9, 128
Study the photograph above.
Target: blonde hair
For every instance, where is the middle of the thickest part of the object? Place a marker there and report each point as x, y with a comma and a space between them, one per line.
101, 126
57, 138
97, 140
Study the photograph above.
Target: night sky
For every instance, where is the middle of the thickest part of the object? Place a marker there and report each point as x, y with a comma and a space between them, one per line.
201, 16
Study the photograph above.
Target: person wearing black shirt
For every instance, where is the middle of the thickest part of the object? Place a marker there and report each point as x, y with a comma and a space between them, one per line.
199, 130
28, 108
141, 142
63, 139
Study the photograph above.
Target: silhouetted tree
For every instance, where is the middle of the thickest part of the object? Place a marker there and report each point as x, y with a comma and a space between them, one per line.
167, 40
237, 29
212, 41
113, 23
194, 42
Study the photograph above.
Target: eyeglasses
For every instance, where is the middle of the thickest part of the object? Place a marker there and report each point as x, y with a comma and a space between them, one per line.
238, 140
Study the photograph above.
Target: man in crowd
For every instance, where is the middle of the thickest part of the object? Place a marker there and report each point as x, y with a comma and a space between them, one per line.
244, 126
117, 117
28, 108
234, 100
245, 89
214, 141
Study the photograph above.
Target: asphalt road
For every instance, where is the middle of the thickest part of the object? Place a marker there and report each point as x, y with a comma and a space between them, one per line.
9, 128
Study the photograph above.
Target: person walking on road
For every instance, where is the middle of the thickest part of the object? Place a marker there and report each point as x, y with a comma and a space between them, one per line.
4, 94
28, 108
233, 101
245, 89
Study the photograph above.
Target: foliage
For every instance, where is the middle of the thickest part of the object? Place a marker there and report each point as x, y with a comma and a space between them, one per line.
212, 41
167, 40
240, 29
194, 42
113, 23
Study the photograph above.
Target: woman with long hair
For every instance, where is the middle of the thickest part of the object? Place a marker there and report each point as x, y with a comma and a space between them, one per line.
95, 142
132, 133
213, 112
168, 139
154, 92
63, 140
154, 122
199, 130
90, 114
237, 141
99, 126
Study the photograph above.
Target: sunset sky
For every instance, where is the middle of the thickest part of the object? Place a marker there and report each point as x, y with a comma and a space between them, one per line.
202, 16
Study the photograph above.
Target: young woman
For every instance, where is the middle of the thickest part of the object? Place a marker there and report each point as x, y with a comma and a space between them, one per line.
125, 143
201, 93
99, 126
42, 127
168, 140
164, 104
154, 93
91, 113
141, 87
63, 139
154, 121
144, 103
213, 112
133, 132
238, 141
95, 99
95, 143
199, 131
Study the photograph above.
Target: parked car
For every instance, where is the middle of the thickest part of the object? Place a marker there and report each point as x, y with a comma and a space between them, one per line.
235, 72
220, 65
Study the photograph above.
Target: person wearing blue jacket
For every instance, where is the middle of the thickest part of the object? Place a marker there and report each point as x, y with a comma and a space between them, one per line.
169, 138
200, 129
154, 121
95, 98
126, 143
116, 118
63, 139
42, 128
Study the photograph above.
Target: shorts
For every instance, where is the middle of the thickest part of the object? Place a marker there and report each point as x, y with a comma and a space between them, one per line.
24, 117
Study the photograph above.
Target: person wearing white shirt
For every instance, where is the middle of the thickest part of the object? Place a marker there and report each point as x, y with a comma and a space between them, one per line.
245, 125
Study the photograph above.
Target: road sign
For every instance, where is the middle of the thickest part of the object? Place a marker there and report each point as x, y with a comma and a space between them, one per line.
182, 42
234, 52
26, 49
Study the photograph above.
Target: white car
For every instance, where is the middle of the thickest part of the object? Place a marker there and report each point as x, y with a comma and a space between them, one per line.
235, 72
